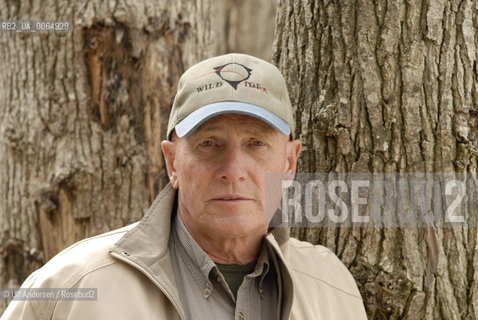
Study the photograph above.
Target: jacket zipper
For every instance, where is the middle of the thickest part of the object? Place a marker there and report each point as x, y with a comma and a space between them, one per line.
146, 273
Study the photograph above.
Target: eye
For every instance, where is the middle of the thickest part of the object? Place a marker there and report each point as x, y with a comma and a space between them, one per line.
258, 143
207, 143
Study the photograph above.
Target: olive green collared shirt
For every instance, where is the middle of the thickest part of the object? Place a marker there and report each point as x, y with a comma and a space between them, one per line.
205, 294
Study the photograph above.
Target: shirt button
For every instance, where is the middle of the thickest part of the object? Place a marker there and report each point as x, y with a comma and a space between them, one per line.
241, 316
206, 291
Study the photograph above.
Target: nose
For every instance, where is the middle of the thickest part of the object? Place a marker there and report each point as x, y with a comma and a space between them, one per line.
232, 165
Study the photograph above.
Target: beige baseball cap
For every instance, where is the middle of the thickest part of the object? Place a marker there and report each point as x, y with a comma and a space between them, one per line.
231, 83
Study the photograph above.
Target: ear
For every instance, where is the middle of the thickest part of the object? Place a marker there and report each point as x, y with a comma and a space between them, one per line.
169, 152
294, 148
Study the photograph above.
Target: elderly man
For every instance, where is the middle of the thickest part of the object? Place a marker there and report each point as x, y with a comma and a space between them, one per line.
206, 248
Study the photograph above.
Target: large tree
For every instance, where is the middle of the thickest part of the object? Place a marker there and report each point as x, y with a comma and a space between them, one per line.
390, 87
82, 113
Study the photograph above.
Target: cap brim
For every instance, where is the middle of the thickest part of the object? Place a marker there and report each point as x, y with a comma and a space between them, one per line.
201, 115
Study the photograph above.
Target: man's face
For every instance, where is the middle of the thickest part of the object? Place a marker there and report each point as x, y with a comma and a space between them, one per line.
222, 171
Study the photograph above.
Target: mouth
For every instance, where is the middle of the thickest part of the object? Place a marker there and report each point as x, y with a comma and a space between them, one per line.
231, 198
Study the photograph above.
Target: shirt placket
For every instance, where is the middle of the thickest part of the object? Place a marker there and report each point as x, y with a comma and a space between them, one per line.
243, 303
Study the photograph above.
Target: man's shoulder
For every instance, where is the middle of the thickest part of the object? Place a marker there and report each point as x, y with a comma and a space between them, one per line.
316, 262
77, 260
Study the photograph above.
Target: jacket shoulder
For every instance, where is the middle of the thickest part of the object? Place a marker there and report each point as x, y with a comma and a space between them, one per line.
320, 263
77, 260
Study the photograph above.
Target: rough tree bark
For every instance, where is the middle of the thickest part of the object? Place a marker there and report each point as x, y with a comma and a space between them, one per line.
384, 87
82, 114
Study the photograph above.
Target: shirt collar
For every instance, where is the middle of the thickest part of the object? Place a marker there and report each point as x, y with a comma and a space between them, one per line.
195, 259
200, 264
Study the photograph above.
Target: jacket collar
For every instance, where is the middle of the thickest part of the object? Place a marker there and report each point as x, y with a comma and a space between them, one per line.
146, 246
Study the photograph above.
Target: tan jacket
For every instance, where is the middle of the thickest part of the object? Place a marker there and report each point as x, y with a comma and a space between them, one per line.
131, 267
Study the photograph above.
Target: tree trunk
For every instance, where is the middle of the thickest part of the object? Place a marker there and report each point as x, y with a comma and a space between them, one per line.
82, 115
244, 26
390, 87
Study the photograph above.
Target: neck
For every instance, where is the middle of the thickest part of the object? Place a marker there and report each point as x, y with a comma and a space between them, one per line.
224, 248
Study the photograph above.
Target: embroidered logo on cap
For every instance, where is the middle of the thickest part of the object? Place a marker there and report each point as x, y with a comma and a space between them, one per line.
233, 73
